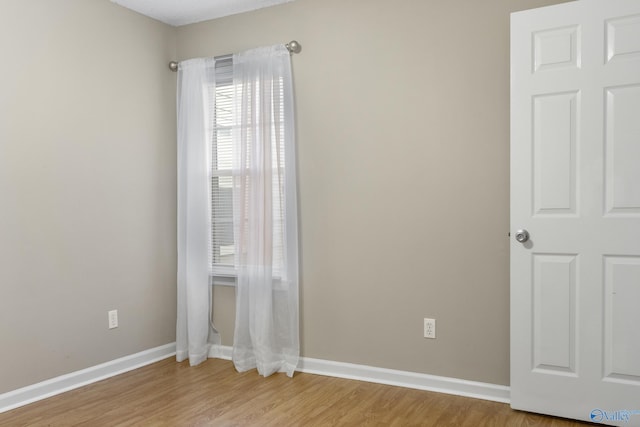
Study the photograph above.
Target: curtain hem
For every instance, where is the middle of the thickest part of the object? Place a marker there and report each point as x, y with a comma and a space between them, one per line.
265, 369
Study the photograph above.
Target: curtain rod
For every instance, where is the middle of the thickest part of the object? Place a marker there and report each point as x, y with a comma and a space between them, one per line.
293, 47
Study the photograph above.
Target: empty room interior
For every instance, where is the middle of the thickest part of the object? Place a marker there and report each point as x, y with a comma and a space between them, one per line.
402, 139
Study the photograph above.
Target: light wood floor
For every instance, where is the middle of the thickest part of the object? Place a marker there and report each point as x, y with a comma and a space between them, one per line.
214, 394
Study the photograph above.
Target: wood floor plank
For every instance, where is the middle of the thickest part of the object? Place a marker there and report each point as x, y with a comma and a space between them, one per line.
167, 393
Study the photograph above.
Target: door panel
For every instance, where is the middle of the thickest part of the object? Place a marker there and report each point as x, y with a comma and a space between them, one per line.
575, 186
555, 125
623, 38
622, 318
554, 310
622, 153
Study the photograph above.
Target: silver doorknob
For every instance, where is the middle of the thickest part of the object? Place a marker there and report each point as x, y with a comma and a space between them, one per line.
522, 236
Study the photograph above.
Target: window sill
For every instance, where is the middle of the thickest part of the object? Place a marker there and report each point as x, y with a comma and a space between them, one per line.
278, 285
222, 281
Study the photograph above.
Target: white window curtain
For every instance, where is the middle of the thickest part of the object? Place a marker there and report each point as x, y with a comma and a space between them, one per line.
265, 229
265, 212
195, 333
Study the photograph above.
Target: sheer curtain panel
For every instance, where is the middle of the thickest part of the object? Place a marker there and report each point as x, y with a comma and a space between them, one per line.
195, 333
265, 212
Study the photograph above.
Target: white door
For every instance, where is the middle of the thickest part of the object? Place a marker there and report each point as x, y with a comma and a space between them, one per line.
575, 187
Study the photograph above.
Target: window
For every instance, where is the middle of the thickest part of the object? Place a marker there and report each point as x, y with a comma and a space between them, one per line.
220, 130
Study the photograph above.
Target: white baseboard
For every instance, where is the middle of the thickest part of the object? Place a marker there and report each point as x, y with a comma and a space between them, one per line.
57, 385
477, 390
48, 388
221, 352
458, 387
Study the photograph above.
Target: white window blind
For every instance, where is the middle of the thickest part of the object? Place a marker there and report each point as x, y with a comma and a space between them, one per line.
220, 130
220, 108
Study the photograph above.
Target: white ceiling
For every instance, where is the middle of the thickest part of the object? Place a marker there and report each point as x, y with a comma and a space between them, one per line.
182, 12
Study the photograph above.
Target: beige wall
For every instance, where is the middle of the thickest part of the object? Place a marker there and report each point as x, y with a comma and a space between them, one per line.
87, 186
403, 146
403, 162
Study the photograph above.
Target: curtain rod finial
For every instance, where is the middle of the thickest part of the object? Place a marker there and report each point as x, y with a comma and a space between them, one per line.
294, 46
173, 66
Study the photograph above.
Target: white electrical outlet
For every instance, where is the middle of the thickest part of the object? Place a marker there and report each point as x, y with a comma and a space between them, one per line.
113, 319
429, 328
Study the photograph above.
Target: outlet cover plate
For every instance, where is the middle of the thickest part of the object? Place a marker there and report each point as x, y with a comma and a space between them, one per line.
113, 319
429, 328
